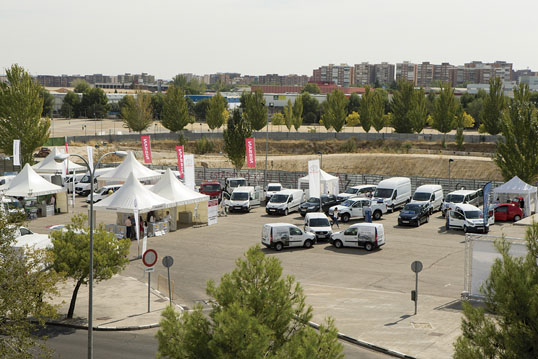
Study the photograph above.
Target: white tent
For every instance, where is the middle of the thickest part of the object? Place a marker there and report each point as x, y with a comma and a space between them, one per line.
171, 188
517, 187
29, 184
328, 183
49, 165
130, 166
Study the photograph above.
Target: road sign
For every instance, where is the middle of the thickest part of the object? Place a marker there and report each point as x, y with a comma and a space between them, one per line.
416, 266
149, 258
168, 261
149, 269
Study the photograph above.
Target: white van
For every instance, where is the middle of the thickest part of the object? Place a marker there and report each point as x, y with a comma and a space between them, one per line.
272, 188
469, 218
431, 194
318, 224
394, 192
473, 197
365, 235
363, 190
280, 235
285, 202
82, 188
68, 181
244, 198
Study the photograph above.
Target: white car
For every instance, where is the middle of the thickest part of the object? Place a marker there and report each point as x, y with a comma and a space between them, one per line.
365, 190
318, 224
103, 193
281, 235
272, 188
355, 208
361, 235
26, 238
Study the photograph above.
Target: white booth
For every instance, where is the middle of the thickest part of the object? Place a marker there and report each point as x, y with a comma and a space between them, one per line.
516, 187
328, 184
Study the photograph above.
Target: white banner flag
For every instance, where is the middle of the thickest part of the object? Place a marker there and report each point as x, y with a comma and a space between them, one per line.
189, 171
89, 149
16, 152
314, 178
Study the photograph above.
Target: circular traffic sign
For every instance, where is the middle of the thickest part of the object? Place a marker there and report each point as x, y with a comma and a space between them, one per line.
149, 258
168, 261
416, 266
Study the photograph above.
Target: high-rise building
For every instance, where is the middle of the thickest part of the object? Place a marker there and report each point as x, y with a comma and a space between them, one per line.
341, 75
424, 74
442, 73
406, 71
364, 73
384, 73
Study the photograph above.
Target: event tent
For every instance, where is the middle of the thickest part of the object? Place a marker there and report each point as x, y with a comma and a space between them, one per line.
29, 184
517, 187
130, 166
49, 165
328, 183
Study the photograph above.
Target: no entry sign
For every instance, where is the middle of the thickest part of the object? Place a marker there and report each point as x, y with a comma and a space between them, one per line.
149, 258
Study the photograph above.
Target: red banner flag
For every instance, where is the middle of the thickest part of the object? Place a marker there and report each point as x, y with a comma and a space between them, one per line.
180, 163
146, 148
251, 152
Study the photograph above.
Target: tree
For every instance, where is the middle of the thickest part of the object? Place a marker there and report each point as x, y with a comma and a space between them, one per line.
298, 113
81, 86
325, 119
419, 111
510, 296
277, 119
215, 113
354, 103
494, 105
365, 109
447, 109
468, 120
310, 108
157, 102
71, 105
48, 102
460, 123
137, 115
237, 129
353, 119
401, 106
288, 115
94, 103
71, 254
20, 114
192, 87
257, 314
254, 109
378, 111
26, 291
200, 109
517, 152
311, 88
175, 115
336, 109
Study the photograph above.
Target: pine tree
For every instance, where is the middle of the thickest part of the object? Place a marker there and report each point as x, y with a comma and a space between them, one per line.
254, 110
336, 110
288, 115
378, 111
238, 128
365, 109
419, 111
137, 115
447, 109
175, 113
215, 114
493, 107
298, 113
401, 106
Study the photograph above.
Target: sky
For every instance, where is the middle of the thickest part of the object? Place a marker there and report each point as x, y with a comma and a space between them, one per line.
255, 37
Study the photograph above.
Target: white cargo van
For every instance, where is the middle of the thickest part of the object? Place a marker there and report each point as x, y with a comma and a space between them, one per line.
244, 198
431, 194
318, 224
473, 197
280, 235
272, 188
82, 188
364, 235
394, 192
285, 202
469, 218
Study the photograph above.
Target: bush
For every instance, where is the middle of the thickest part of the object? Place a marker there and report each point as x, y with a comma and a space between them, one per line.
203, 146
349, 146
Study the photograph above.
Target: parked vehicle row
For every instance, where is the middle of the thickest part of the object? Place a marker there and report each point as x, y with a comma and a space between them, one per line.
285, 202
312, 205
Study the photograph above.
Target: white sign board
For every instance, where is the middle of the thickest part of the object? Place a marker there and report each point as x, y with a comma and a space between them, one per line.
212, 211
314, 178
16, 152
189, 171
89, 150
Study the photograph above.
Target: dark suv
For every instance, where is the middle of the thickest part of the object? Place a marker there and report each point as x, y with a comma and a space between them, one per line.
312, 205
414, 214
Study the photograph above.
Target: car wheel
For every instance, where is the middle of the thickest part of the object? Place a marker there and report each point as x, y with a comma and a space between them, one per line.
303, 214
465, 230
517, 218
338, 243
431, 211
368, 246
308, 243
286, 212
427, 219
278, 247
392, 208
418, 223
377, 215
345, 217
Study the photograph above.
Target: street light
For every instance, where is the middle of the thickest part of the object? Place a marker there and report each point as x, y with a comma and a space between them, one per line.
449, 180
60, 158
271, 105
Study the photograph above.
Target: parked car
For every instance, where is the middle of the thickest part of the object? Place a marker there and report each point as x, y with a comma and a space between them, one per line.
394, 192
103, 193
473, 197
508, 212
364, 190
414, 214
469, 218
431, 194
283, 235
356, 208
43, 152
271, 189
211, 188
244, 198
312, 205
361, 235
285, 202
318, 224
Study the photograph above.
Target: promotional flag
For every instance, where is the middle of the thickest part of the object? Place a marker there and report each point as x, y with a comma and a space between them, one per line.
486, 190
189, 171
180, 161
314, 178
251, 152
146, 148
89, 150
16, 152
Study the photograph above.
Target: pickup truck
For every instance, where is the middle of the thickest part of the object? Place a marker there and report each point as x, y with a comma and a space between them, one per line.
355, 208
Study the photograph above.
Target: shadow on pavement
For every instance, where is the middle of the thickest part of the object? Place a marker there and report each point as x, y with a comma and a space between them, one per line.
403, 317
347, 250
51, 331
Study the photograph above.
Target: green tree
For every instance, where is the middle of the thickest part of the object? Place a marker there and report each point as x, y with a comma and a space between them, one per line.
137, 115
419, 111
365, 109
200, 109
277, 119
378, 111
237, 129
94, 103
401, 106
353, 119
71, 105
354, 103
253, 299
447, 110
81, 86
71, 254
175, 115
157, 103
310, 108
254, 109
298, 113
325, 119
517, 152
288, 115
26, 291
510, 296
215, 113
192, 87
311, 88
48, 102
494, 105
20, 114
460, 123
336, 109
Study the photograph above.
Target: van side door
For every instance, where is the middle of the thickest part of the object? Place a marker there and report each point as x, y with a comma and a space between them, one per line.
350, 237
457, 219
296, 237
356, 209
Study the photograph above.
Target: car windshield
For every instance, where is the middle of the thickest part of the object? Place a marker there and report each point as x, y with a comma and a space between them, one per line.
351, 190
347, 203
421, 196
239, 196
383, 193
85, 179
454, 198
274, 188
411, 208
237, 183
279, 198
313, 200
473, 214
319, 222
214, 187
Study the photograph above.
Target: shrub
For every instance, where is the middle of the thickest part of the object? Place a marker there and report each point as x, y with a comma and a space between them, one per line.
203, 146
349, 146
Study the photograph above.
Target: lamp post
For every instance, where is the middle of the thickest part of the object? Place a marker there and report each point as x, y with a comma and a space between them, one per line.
449, 179
60, 158
266, 146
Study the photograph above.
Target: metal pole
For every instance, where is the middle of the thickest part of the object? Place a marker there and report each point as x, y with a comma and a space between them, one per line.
416, 292
90, 298
169, 287
449, 179
266, 150
149, 291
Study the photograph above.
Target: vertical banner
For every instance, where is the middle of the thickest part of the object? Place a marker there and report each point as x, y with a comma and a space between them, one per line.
486, 190
67, 160
180, 161
212, 211
89, 150
314, 178
146, 148
251, 152
189, 171
16, 152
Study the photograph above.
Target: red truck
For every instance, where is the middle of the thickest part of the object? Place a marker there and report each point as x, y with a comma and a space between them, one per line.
212, 188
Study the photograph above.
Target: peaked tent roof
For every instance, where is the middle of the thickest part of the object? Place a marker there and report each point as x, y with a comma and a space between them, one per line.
324, 176
130, 166
49, 165
515, 185
29, 184
172, 188
133, 195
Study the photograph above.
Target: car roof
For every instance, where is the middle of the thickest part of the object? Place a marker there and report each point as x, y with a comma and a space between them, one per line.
429, 187
288, 191
464, 191
467, 207
366, 224
243, 189
274, 184
315, 215
394, 181
279, 224
363, 186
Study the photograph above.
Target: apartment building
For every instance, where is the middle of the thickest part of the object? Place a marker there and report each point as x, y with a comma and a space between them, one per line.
364, 73
406, 71
424, 74
384, 73
341, 75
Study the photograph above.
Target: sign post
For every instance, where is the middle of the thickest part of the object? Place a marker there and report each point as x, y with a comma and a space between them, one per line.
149, 259
168, 262
416, 267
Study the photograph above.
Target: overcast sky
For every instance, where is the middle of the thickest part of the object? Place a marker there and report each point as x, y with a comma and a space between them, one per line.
166, 37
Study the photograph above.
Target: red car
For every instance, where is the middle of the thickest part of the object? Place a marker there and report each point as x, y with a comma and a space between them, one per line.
508, 212
211, 188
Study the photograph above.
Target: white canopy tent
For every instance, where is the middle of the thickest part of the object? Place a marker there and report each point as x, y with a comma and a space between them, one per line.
328, 184
130, 166
517, 187
29, 184
49, 165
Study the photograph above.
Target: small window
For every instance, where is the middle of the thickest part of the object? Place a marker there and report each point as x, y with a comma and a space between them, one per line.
357, 204
295, 231
351, 231
25, 231
458, 215
502, 209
